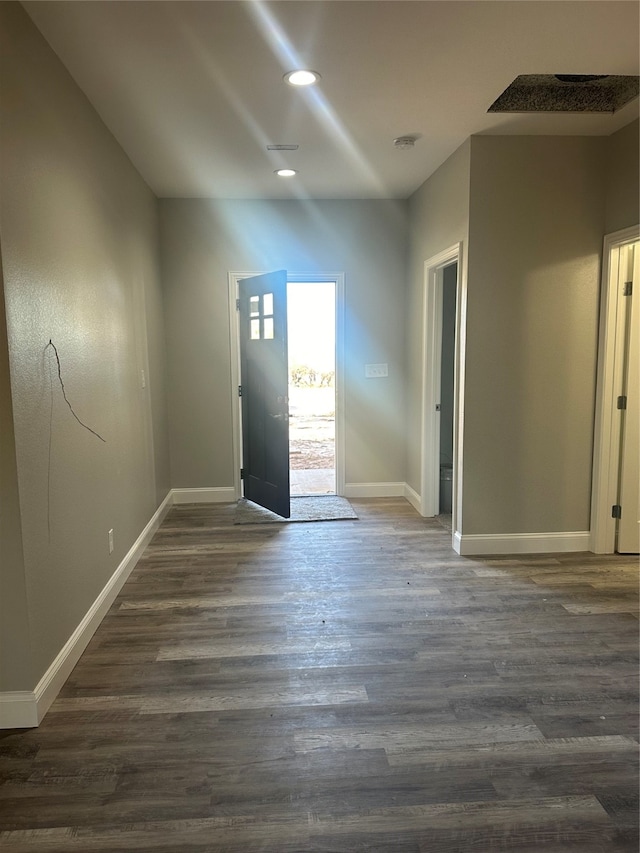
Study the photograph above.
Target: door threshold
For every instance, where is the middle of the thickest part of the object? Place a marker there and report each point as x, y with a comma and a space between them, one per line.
312, 481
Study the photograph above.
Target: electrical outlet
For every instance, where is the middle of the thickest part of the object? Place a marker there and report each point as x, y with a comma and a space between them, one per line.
376, 371
111, 541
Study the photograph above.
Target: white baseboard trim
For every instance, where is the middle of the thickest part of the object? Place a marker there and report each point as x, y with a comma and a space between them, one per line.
413, 497
222, 494
520, 543
25, 709
18, 709
374, 490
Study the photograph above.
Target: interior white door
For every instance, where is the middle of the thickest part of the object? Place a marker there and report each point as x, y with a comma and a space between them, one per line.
629, 523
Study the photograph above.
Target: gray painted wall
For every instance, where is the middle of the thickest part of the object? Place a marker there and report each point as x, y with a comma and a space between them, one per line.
15, 644
623, 181
536, 228
439, 217
202, 241
79, 236
531, 212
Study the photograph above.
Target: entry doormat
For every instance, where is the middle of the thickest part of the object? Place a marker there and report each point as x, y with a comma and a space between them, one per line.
305, 508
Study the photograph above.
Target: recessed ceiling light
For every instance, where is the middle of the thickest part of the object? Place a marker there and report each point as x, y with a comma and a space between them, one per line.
302, 77
286, 173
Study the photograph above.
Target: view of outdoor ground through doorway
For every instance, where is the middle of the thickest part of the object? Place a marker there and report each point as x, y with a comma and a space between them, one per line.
312, 398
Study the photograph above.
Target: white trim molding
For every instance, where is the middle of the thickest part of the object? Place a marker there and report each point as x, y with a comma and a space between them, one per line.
374, 490
606, 445
25, 709
213, 495
18, 709
413, 497
520, 543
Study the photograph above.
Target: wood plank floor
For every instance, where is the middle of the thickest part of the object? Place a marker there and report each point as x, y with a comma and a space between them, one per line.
343, 686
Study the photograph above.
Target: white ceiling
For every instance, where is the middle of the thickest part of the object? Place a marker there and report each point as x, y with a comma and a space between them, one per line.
193, 91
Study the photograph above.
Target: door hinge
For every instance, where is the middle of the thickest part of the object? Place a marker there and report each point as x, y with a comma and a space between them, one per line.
616, 511
239, 390
622, 402
237, 304
627, 290
242, 473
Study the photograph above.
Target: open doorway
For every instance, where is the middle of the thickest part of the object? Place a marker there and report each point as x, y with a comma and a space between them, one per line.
447, 374
442, 377
332, 331
311, 313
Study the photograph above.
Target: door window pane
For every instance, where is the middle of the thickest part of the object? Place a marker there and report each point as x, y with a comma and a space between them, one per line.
255, 330
267, 304
254, 306
268, 328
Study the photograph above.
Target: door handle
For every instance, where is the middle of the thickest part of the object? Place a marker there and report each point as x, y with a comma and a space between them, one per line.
281, 416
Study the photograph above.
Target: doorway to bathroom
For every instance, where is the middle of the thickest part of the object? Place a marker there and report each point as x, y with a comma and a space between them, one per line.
447, 374
444, 300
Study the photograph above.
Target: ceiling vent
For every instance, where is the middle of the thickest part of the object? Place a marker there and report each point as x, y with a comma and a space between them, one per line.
404, 142
567, 93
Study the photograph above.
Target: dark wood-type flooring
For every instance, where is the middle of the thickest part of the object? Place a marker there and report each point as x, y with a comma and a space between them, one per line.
341, 686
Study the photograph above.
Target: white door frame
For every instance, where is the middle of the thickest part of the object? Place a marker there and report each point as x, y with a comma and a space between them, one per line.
431, 365
234, 341
606, 447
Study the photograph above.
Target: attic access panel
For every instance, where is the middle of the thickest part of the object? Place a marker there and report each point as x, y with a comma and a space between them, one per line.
569, 93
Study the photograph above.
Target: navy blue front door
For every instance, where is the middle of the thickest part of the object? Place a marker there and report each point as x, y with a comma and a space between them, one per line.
264, 387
